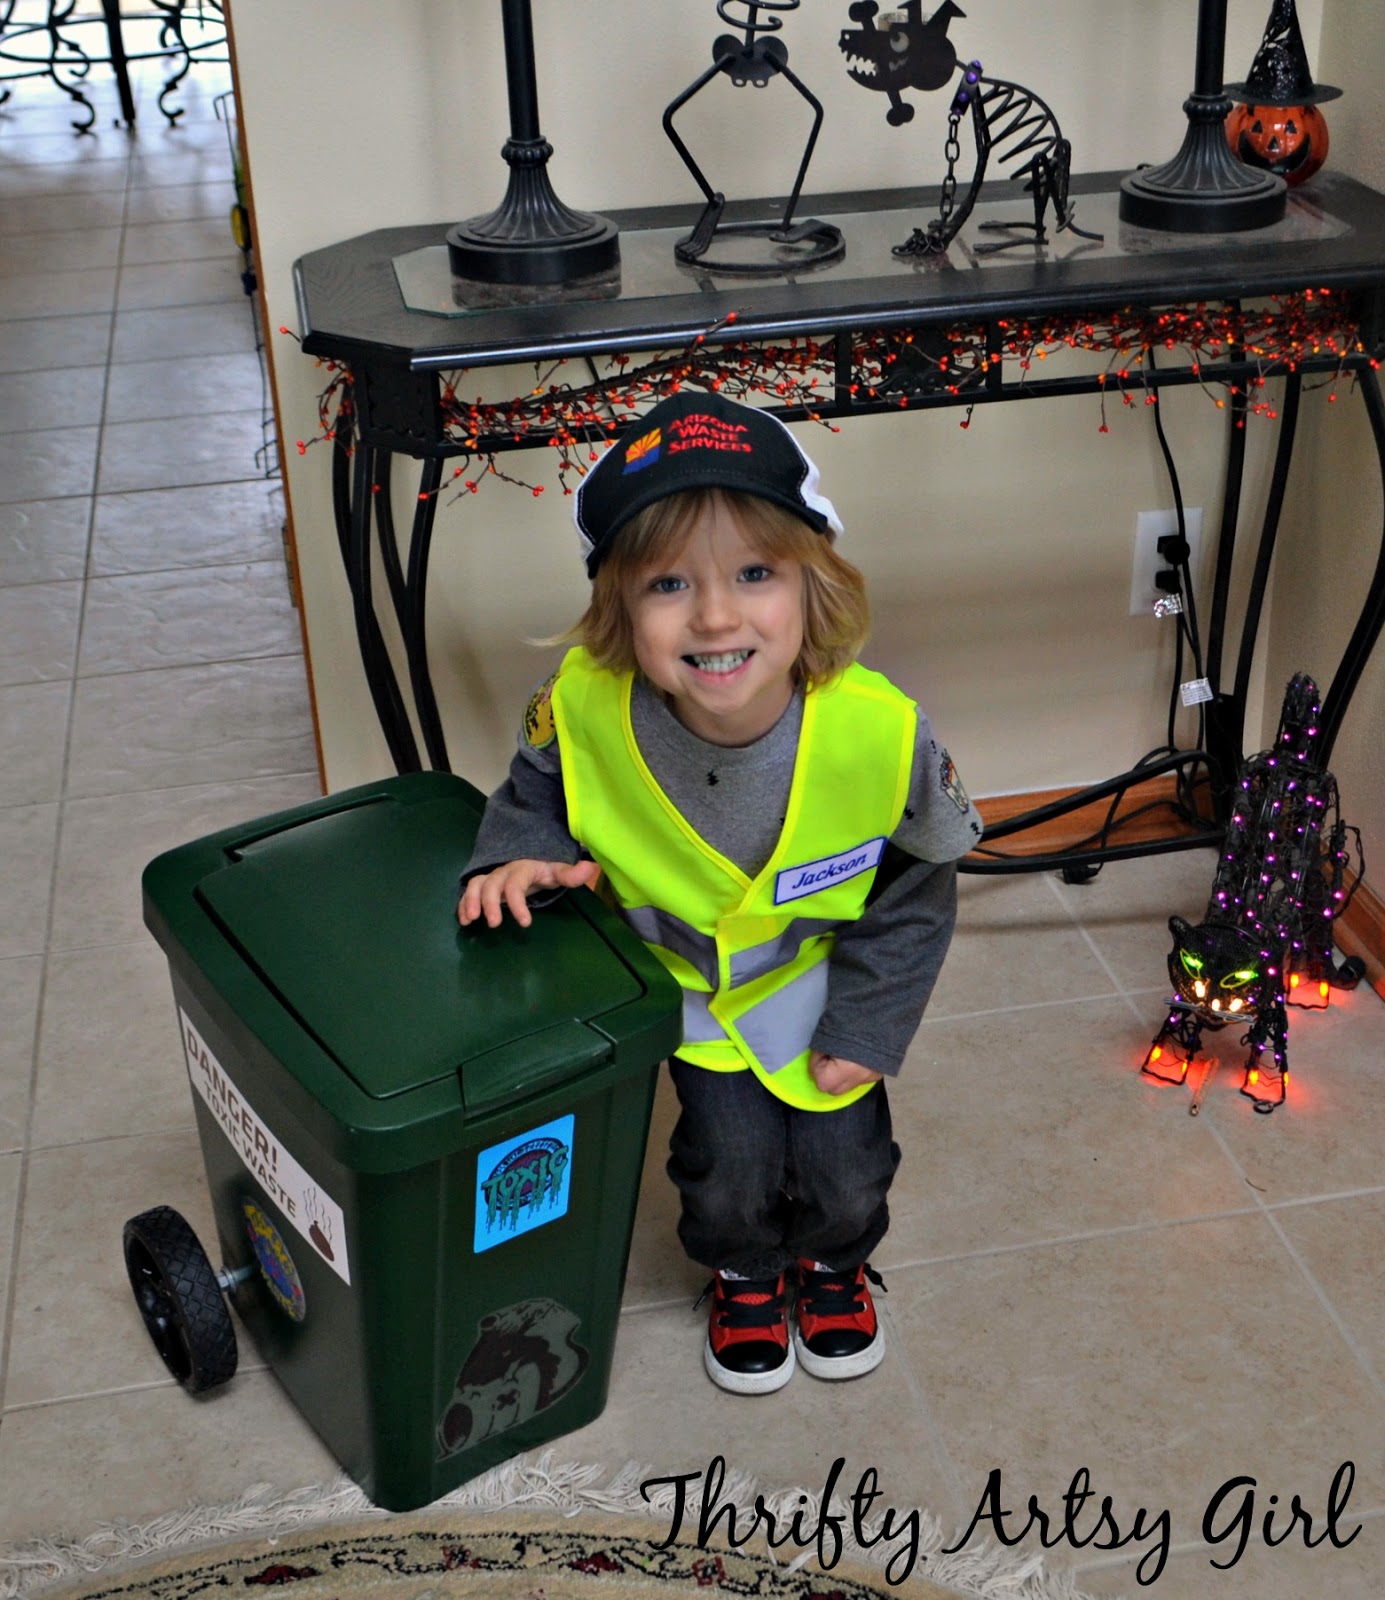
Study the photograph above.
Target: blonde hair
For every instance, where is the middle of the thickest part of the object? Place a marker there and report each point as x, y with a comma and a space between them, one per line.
836, 612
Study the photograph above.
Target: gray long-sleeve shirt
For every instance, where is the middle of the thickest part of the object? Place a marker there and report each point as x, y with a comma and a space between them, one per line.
883, 966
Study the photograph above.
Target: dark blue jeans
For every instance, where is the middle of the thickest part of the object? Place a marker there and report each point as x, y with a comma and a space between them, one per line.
764, 1183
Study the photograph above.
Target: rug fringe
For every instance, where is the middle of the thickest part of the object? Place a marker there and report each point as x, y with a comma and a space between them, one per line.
571, 1488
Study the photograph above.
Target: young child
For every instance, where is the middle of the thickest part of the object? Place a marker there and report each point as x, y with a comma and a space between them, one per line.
779, 824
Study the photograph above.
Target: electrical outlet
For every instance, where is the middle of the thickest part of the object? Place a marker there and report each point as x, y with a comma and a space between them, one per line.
1150, 527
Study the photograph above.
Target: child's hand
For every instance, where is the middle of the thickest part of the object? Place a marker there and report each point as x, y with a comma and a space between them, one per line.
510, 885
835, 1076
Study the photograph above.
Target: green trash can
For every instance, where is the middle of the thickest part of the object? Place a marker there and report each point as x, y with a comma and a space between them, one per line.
423, 1143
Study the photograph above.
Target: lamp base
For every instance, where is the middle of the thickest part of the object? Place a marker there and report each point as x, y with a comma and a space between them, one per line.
532, 237
1204, 189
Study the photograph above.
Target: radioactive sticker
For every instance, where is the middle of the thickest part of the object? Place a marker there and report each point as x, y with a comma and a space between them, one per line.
292, 1189
523, 1183
275, 1263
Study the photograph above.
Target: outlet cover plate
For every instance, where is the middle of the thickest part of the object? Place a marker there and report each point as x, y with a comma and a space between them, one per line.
1150, 527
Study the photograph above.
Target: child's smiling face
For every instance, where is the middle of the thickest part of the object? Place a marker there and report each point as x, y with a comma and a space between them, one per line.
719, 628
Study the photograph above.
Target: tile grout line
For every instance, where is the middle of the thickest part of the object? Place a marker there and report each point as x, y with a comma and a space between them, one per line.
1028, 1005
132, 422
153, 1386
941, 1454
1257, 1203
1091, 944
8, 1320
162, 788
1252, 1207
21, 1198
185, 788
1339, 1322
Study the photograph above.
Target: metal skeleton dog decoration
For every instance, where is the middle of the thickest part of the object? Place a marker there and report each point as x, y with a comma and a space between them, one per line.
900, 51
1267, 930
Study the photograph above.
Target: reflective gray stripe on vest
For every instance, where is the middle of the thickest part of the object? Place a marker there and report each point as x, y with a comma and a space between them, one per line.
699, 1025
748, 964
699, 950
782, 1025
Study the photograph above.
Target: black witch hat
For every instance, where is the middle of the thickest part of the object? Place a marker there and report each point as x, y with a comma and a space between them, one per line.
1279, 75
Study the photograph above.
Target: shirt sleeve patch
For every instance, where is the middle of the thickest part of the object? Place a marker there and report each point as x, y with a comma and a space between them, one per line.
539, 730
951, 784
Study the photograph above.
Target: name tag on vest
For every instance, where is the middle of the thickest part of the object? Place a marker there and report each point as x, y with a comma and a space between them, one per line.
794, 882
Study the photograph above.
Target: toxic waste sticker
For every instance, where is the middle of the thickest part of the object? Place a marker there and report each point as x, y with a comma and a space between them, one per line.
315, 1214
523, 1183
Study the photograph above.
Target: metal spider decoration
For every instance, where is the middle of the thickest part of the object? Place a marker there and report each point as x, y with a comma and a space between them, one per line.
755, 58
900, 51
1267, 930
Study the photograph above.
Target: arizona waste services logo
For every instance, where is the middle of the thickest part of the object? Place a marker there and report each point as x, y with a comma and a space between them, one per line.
523, 1183
644, 451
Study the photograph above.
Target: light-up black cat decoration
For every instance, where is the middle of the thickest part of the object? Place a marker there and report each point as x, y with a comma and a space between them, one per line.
1267, 929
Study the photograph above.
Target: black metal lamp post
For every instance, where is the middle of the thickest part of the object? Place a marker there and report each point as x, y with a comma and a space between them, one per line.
532, 237
1204, 189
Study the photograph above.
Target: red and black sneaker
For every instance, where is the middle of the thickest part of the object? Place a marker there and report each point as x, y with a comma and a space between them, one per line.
748, 1349
838, 1335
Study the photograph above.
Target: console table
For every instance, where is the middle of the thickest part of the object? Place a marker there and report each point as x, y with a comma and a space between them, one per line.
873, 333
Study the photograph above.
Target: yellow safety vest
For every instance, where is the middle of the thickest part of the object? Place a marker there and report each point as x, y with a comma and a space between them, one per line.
751, 955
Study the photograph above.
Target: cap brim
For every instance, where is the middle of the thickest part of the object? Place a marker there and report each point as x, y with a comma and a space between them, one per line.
808, 515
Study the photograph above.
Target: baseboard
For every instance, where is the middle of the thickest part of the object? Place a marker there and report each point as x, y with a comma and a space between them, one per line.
1359, 932
1061, 833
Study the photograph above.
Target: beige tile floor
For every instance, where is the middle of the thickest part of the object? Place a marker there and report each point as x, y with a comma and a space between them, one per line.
1081, 1276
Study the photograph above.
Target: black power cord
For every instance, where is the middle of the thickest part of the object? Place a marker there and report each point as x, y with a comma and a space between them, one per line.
1081, 862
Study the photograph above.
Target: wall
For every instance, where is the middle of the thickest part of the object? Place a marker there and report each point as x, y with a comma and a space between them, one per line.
999, 558
1331, 537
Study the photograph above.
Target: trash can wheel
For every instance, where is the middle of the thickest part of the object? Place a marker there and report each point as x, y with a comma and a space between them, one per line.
179, 1297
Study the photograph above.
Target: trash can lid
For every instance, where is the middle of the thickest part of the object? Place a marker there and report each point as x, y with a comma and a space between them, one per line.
346, 913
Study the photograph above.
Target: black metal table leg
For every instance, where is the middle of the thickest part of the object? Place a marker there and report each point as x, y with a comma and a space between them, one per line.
353, 504
1226, 715
1372, 617
413, 622
120, 64
408, 592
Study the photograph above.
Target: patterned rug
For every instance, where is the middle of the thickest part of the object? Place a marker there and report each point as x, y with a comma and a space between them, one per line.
525, 1531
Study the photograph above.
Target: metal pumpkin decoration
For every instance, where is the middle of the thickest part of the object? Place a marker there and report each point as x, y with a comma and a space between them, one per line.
1277, 126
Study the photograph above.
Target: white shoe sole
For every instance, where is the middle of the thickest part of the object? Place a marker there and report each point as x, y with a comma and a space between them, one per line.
836, 1367
747, 1382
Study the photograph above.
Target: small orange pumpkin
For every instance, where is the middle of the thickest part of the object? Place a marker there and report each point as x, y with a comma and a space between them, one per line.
1288, 140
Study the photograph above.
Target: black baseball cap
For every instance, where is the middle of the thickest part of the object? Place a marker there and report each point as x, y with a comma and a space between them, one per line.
696, 440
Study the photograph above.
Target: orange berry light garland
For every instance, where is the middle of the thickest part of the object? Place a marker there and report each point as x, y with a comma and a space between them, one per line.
1229, 350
